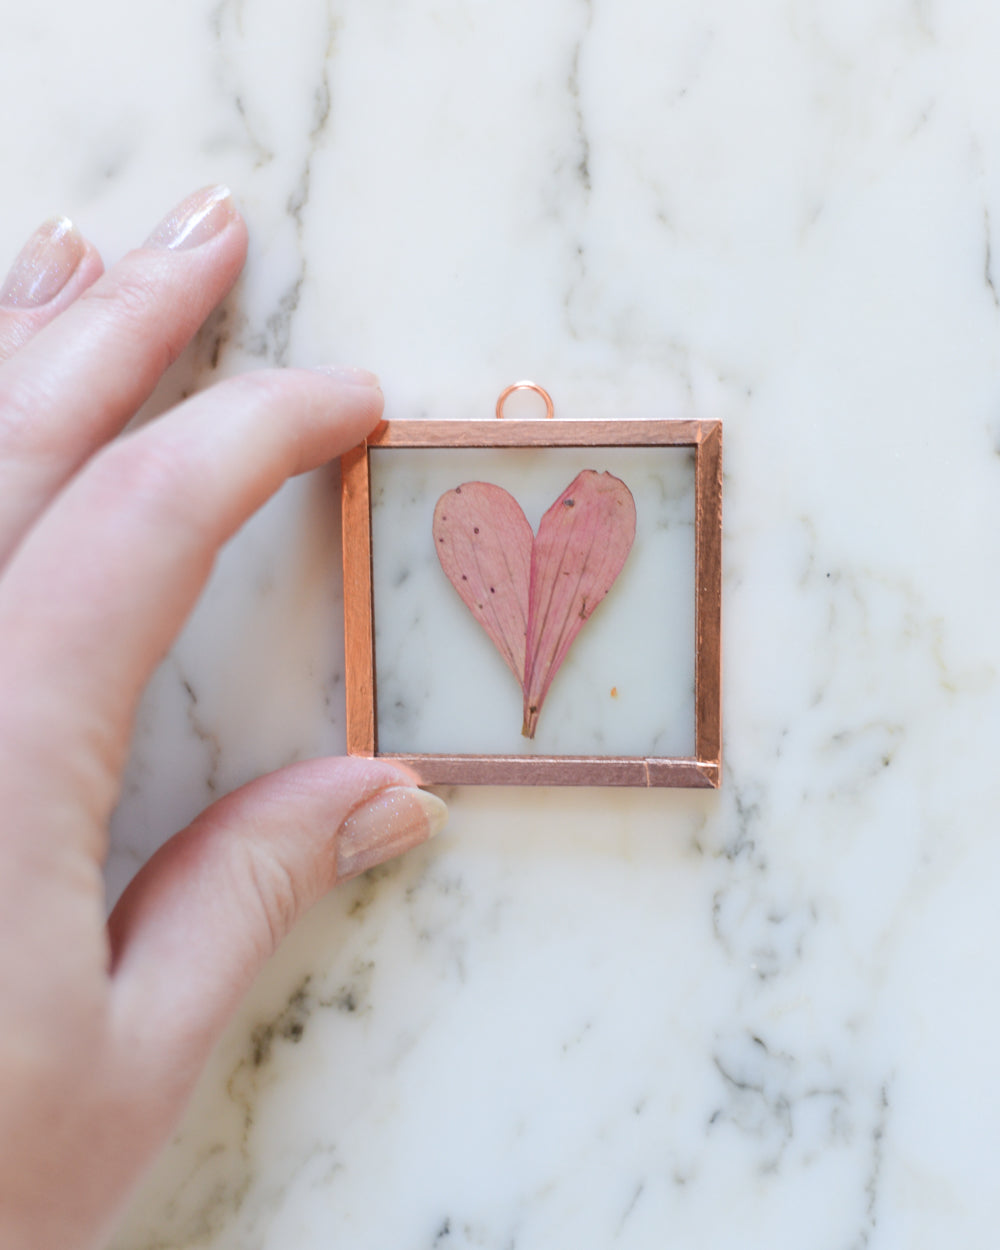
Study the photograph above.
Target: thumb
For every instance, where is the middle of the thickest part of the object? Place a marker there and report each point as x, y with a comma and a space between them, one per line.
200, 919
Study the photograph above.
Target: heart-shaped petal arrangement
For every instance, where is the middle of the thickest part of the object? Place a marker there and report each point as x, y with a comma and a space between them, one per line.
533, 593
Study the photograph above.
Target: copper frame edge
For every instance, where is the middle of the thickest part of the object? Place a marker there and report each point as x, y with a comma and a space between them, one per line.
700, 772
561, 770
507, 433
359, 608
708, 598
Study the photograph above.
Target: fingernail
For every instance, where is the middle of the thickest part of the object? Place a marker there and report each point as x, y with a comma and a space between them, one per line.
195, 220
46, 263
348, 374
391, 822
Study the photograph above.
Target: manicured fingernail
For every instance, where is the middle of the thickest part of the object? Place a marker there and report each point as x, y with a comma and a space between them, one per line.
348, 374
391, 822
195, 220
47, 262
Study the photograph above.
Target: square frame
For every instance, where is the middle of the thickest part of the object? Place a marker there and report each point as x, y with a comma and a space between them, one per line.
703, 769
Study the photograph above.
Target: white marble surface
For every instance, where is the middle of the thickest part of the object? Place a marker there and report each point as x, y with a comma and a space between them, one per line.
759, 1018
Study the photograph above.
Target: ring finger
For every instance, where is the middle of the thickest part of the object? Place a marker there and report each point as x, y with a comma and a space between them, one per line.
54, 267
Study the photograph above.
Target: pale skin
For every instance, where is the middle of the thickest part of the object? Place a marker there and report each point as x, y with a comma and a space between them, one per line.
105, 544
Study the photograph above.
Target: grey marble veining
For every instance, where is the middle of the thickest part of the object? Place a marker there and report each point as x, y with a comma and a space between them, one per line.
763, 1017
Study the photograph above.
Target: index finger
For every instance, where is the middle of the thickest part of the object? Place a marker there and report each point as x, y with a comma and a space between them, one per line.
96, 593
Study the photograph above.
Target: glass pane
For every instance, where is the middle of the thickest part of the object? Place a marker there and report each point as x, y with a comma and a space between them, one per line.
627, 684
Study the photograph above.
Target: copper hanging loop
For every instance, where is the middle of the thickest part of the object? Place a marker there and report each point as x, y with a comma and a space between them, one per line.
525, 386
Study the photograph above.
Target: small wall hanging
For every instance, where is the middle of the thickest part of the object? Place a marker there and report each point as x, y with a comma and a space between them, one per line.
536, 602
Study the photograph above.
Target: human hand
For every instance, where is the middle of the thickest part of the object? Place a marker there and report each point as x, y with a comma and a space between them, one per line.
104, 548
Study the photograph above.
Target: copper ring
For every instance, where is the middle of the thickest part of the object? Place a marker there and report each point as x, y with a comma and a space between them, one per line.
525, 386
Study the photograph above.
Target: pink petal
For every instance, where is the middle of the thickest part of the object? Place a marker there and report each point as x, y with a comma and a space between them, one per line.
483, 541
582, 544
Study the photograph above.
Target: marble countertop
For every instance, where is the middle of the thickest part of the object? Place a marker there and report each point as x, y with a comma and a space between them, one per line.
763, 1017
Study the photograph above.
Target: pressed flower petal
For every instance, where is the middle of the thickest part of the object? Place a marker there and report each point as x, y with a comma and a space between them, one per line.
483, 541
582, 544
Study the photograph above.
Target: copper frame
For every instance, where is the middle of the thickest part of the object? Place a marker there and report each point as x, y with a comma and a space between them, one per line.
703, 769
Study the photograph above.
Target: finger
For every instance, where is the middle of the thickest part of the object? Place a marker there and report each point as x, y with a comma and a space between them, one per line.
129, 545
198, 922
82, 377
54, 267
